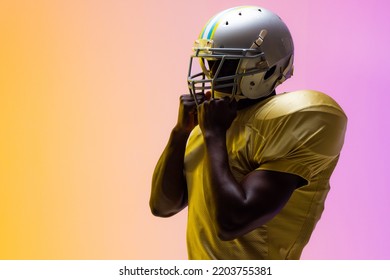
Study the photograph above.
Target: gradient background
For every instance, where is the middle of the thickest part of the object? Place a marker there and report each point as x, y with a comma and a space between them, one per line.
88, 95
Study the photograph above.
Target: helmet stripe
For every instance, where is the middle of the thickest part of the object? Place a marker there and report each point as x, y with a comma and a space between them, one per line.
210, 28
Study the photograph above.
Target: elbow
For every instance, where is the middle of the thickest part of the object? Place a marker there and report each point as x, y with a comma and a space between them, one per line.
161, 214
227, 230
226, 236
158, 211
155, 211
163, 211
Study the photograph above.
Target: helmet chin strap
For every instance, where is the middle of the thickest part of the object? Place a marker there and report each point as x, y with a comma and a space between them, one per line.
237, 96
287, 73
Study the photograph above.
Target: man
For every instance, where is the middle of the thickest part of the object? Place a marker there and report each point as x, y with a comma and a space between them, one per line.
253, 167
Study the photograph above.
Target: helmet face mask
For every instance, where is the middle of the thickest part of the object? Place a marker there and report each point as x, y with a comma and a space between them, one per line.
222, 69
243, 52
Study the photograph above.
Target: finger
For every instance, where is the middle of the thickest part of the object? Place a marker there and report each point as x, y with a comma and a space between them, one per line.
227, 99
186, 97
191, 96
189, 100
202, 105
208, 95
200, 97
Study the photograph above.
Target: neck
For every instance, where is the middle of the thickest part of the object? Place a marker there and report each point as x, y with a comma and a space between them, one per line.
245, 103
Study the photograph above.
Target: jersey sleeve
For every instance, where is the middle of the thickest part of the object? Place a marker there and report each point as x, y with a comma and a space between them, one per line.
303, 143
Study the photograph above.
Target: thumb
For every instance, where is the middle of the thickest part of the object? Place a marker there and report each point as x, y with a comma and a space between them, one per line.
208, 95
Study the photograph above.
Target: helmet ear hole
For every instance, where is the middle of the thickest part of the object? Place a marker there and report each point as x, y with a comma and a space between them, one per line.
270, 72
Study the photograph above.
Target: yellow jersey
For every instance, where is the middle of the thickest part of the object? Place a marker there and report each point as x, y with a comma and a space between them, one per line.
299, 132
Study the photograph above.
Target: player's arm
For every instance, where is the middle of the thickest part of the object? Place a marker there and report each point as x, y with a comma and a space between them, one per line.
169, 189
238, 207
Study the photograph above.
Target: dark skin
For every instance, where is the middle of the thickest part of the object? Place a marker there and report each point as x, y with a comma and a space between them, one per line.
237, 207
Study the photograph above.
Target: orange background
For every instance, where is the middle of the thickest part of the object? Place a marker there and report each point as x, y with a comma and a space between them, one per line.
83, 118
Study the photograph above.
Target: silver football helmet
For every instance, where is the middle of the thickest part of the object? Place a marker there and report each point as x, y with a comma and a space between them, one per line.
244, 52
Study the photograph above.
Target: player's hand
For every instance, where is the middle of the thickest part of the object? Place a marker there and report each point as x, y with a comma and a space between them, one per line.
188, 118
216, 115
